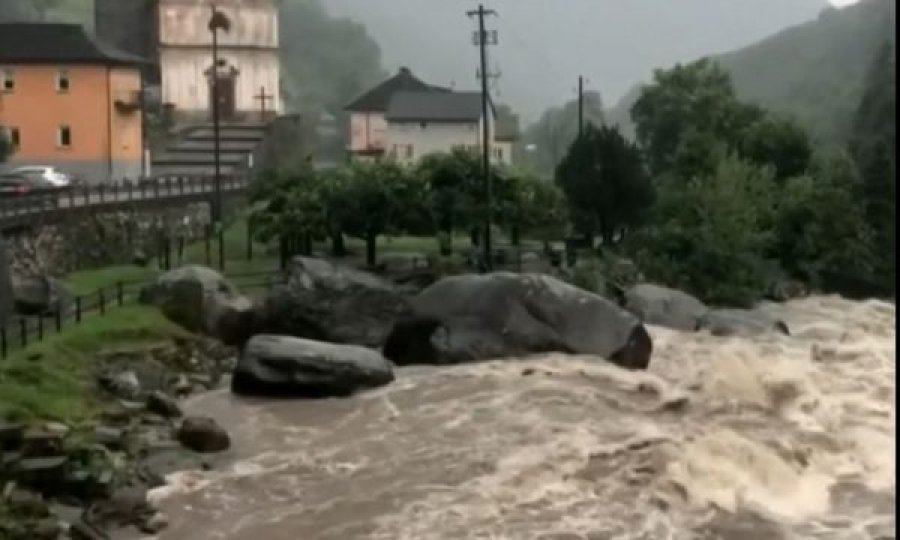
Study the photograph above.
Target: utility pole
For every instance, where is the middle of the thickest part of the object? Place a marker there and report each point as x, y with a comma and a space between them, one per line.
217, 22
481, 40
580, 106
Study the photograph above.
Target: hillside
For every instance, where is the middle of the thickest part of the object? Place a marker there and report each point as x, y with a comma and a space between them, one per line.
814, 71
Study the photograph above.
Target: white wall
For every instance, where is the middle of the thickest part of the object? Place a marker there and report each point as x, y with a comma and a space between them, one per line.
435, 137
185, 84
368, 131
185, 22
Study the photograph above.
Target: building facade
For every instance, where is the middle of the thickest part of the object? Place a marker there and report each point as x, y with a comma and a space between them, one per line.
178, 38
70, 101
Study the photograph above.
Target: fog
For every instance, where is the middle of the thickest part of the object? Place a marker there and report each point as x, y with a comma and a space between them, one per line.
544, 45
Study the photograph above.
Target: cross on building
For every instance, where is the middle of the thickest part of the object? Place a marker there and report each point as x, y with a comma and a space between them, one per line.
263, 98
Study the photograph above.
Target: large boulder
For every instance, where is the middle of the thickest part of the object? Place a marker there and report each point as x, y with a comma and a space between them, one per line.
287, 366
203, 435
661, 306
6, 288
740, 322
478, 317
40, 295
327, 302
202, 301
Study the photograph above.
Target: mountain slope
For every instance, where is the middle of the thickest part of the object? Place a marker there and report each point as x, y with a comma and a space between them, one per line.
814, 71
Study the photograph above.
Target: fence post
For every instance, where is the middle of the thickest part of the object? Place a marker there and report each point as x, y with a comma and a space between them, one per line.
167, 241
102, 301
71, 191
120, 293
23, 332
156, 189
101, 188
58, 316
249, 239
77, 309
41, 327
181, 249
3, 344
282, 251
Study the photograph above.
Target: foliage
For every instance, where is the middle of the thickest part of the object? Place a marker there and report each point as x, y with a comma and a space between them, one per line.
530, 205
605, 183
779, 142
874, 148
455, 187
288, 202
821, 228
709, 234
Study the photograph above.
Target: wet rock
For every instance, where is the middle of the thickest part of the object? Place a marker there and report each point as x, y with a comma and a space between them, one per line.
280, 365
46, 529
164, 405
45, 474
124, 385
40, 295
154, 524
11, 436
202, 301
82, 530
740, 322
110, 437
327, 302
479, 317
41, 443
57, 429
24, 503
661, 306
182, 386
203, 435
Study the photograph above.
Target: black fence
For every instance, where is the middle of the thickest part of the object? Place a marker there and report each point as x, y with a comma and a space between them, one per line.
25, 330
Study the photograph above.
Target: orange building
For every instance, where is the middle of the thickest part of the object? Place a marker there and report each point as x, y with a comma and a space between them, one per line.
70, 101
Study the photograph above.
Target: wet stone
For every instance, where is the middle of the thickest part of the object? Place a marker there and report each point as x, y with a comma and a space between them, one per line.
41, 443
27, 503
164, 405
83, 531
11, 436
46, 529
109, 437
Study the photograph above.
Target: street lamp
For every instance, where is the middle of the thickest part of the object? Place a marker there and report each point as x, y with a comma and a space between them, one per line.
218, 21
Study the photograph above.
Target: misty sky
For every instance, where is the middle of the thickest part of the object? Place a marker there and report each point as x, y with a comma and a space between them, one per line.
546, 44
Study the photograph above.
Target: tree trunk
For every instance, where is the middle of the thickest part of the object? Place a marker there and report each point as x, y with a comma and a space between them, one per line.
371, 242
475, 236
338, 249
445, 240
514, 236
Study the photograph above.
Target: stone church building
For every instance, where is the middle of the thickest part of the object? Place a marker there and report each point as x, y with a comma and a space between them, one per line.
175, 36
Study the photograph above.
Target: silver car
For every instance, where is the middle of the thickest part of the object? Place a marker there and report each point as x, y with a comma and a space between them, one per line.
51, 175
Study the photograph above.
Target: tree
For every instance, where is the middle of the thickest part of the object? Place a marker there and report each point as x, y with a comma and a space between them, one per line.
604, 181
456, 191
288, 204
528, 204
697, 97
779, 142
873, 144
709, 234
821, 227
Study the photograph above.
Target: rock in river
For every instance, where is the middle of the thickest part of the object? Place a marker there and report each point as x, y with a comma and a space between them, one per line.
201, 300
740, 322
280, 365
479, 317
661, 306
333, 303
203, 435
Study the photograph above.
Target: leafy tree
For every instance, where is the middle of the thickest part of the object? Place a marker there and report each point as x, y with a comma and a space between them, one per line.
709, 234
288, 203
779, 142
528, 204
873, 144
821, 228
605, 183
456, 192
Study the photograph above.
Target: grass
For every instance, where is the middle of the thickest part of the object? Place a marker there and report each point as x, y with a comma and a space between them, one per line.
53, 379
90, 281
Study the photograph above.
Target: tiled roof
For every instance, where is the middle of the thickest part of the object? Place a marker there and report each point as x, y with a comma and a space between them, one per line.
42, 43
378, 99
435, 106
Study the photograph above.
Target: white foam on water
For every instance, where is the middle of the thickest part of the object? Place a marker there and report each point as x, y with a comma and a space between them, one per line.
762, 437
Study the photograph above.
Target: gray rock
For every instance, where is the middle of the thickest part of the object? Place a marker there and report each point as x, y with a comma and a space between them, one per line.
40, 295
6, 287
740, 322
203, 435
479, 317
202, 301
154, 524
661, 306
123, 385
11, 436
281, 365
109, 437
164, 405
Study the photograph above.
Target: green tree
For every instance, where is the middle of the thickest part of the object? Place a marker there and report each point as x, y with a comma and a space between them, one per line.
456, 191
709, 234
873, 143
604, 181
821, 228
779, 142
527, 204
288, 203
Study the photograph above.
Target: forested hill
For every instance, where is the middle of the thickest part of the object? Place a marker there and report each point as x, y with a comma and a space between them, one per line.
814, 71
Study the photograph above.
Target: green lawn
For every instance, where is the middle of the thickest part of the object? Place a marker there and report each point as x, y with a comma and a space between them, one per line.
53, 379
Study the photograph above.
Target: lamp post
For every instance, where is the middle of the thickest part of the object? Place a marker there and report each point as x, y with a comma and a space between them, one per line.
218, 21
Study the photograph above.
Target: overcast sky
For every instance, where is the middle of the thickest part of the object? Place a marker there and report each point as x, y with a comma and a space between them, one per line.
545, 44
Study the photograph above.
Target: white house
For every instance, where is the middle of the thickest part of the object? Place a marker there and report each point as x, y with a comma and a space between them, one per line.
248, 52
422, 123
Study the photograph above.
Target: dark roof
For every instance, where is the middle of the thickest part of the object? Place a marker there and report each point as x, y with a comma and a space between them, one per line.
435, 107
378, 99
45, 43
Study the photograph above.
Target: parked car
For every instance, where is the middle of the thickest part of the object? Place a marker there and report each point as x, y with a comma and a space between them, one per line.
51, 174
29, 188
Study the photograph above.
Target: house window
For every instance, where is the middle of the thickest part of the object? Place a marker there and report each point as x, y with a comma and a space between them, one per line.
409, 151
62, 80
498, 153
7, 80
14, 137
64, 137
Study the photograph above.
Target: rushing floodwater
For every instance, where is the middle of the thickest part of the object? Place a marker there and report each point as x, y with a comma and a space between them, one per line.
724, 438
